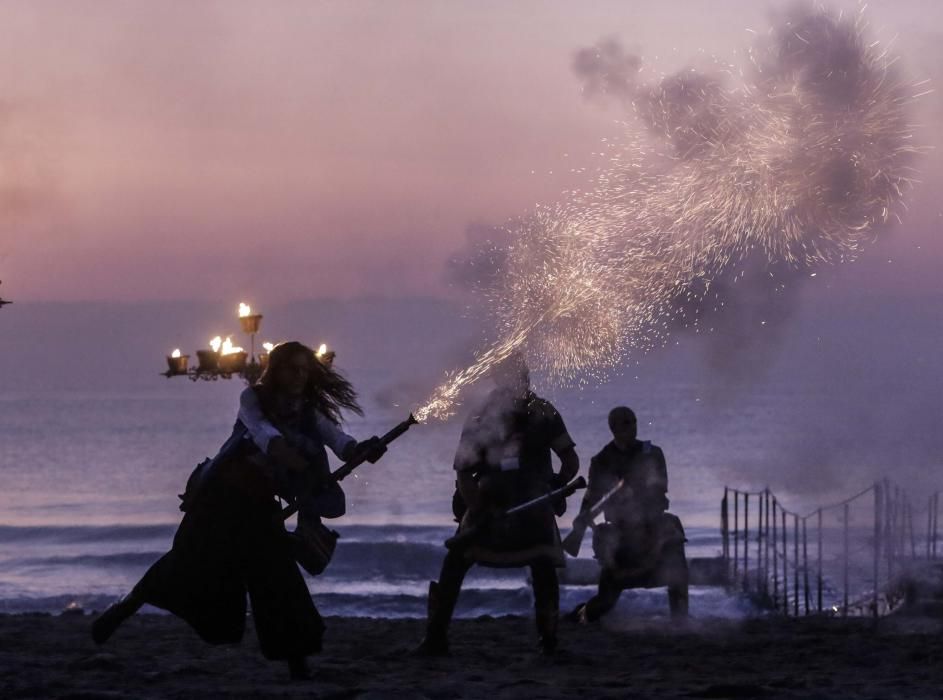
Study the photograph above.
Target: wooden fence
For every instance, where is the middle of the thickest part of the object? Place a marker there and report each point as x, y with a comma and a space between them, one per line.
847, 558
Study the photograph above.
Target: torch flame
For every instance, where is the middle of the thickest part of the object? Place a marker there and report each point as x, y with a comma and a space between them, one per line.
244, 310
322, 349
229, 348
268, 347
216, 343
175, 353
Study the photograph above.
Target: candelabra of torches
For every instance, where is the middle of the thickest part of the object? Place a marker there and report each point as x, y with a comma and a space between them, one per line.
224, 360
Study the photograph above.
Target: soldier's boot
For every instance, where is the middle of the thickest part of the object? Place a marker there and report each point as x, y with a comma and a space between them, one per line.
298, 669
547, 621
674, 571
105, 624
436, 640
601, 603
578, 615
678, 602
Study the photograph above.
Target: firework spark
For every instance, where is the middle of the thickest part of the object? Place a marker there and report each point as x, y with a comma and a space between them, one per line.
804, 162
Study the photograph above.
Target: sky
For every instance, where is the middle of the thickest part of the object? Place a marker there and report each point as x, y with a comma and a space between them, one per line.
304, 150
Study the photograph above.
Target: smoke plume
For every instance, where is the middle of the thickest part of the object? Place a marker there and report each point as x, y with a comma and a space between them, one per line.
799, 163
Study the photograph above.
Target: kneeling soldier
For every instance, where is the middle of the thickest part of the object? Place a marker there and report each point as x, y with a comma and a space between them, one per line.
640, 545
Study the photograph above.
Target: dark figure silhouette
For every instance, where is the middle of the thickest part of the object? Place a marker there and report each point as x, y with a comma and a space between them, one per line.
503, 459
640, 545
232, 539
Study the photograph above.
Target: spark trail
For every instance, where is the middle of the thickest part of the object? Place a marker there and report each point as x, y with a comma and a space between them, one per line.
804, 161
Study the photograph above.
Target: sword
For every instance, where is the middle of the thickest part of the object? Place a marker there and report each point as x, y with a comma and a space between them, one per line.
465, 537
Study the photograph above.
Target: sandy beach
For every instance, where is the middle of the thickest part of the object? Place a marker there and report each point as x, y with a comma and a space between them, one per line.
158, 656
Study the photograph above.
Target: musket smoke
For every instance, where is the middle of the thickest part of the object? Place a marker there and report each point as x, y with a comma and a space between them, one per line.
803, 162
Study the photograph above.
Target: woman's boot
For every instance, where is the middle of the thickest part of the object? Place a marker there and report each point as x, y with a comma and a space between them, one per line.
106, 623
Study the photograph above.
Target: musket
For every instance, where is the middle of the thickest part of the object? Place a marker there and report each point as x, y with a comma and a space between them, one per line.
466, 537
573, 541
344, 470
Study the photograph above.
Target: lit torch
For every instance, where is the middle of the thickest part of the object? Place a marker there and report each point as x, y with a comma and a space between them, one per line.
250, 322
232, 358
324, 355
177, 363
209, 359
263, 357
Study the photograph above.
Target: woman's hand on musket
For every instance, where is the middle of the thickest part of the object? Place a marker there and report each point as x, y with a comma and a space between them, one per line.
374, 448
371, 448
283, 453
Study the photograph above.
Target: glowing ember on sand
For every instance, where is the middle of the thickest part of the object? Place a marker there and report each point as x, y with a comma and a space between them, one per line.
802, 162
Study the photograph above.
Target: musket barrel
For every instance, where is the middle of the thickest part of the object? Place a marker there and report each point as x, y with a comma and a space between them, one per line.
573, 541
344, 470
399, 429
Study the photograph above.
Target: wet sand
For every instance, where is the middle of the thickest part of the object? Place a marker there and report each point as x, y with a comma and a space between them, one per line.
158, 656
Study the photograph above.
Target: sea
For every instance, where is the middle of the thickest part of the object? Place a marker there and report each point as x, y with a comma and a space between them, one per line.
95, 445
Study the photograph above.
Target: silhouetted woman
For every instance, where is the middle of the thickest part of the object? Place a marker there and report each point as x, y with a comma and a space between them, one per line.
232, 540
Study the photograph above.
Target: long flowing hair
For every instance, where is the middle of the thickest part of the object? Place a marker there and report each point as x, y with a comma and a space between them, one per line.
327, 389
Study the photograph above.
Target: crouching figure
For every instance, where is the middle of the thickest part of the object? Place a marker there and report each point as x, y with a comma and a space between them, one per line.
640, 544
